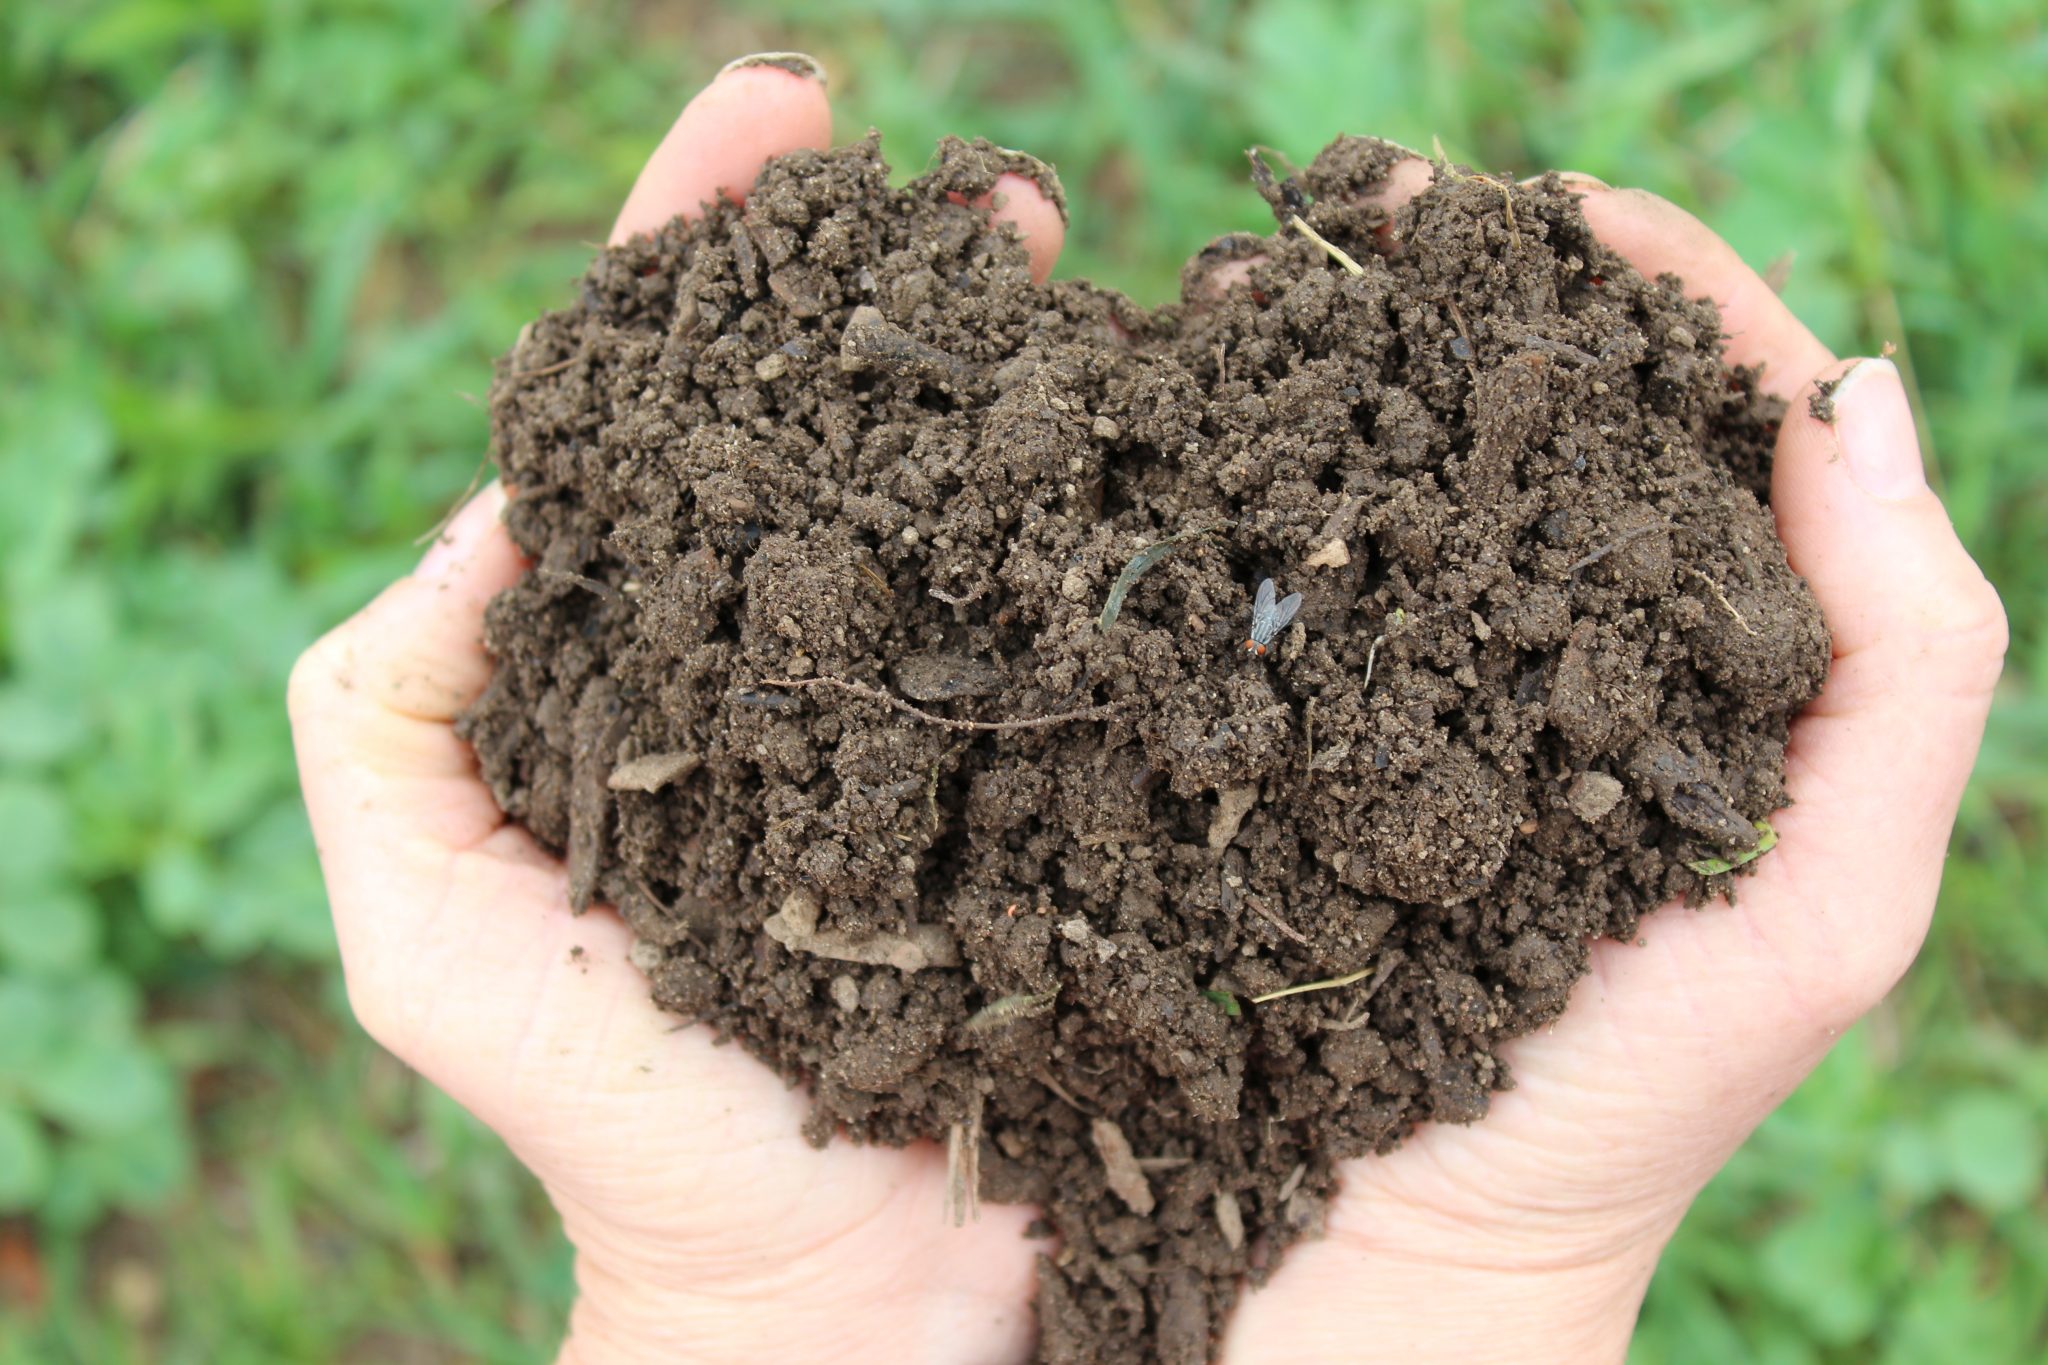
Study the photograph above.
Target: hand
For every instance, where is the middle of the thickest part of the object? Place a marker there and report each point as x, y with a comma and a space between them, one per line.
704, 1225
1532, 1235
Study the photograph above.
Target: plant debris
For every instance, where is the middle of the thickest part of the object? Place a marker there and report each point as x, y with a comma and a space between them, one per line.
1140, 562
1225, 999
1767, 839
1120, 1168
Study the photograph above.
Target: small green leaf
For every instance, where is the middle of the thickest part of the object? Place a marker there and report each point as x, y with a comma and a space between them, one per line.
36, 727
103, 1086
36, 839
24, 1159
1815, 1263
1227, 1000
48, 931
1909, 1163
1767, 839
1992, 1148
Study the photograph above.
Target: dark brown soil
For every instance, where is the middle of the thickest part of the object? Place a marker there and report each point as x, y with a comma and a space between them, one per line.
826, 500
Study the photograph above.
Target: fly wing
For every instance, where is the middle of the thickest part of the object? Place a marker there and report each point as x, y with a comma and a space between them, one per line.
1262, 602
1284, 613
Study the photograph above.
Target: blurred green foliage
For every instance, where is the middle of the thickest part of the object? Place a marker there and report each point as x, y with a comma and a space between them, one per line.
254, 260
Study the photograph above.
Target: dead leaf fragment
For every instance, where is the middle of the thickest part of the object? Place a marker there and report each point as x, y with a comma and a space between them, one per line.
1334, 555
652, 772
1126, 1181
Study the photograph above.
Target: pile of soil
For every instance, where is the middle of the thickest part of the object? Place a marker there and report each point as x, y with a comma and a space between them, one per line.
883, 663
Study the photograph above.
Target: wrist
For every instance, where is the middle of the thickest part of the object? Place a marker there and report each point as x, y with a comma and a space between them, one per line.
637, 1306
1394, 1282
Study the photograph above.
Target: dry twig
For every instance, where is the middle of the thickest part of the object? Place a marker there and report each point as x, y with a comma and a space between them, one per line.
963, 1166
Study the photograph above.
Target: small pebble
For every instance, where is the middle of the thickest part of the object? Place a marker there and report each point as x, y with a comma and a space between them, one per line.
771, 366
845, 993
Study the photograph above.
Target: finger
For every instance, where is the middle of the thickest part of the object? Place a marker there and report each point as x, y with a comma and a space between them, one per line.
427, 882
1657, 237
1404, 180
1039, 217
1228, 261
373, 703
1689, 1040
758, 107
1223, 265
1878, 762
390, 790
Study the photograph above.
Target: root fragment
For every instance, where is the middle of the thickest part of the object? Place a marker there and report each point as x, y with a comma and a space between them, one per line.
1634, 533
794, 926
1335, 252
963, 1166
1726, 605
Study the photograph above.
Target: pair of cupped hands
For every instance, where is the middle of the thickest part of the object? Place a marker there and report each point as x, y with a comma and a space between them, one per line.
706, 1229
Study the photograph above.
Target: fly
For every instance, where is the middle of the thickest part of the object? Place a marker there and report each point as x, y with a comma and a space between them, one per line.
1269, 618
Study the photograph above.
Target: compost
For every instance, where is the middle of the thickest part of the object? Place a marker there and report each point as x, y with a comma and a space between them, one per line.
886, 660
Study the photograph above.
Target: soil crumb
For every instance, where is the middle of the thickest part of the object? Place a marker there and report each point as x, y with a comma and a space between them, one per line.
817, 677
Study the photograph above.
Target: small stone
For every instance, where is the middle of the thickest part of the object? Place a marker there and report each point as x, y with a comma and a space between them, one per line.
645, 956
910, 535
774, 365
1229, 1219
845, 993
1593, 795
1232, 805
1106, 429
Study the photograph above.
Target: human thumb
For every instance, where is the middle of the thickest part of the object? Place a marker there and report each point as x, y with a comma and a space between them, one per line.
1878, 762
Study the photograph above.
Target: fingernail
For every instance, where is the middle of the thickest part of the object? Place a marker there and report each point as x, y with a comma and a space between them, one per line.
1874, 428
795, 63
1579, 180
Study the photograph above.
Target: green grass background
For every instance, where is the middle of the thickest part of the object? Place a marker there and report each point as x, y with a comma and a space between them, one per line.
254, 261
